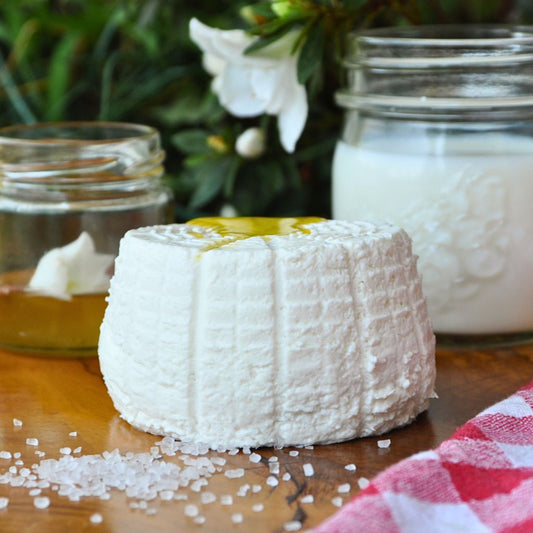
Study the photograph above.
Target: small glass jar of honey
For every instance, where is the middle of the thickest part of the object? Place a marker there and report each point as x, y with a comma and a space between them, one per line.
68, 193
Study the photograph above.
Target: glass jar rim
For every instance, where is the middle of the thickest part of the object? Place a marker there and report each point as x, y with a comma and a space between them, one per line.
75, 133
448, 35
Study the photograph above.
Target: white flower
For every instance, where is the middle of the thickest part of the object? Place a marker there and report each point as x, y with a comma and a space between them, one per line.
73, 269
250, 85
250, 143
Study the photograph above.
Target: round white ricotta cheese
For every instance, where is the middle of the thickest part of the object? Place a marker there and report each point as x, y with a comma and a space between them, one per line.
317, 334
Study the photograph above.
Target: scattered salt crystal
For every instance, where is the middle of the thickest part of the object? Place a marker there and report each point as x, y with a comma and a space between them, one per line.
65, 451
154, 450
77, 450
143, 504
273, 468
25, 472
34, 492
272, 481
235, 473
17, 422
181, 497
166, 495
256, 488
199, 520
5, 454
254, 458
363, 483
258, 507
73, 434
337, 501
191, 510
308, 469
243, 490
226, 499
308, 498
294, 453
105, 496
385, 443
151, 511
309, 447
208, 497
351, 467
286, 476
344, 488
237, 518
234, 451
246, 450
293, 525
218, 461
20, 462
41, 502
32, 442
273, 459
17, 455
13, 469
4, 502
196, 486
96, 518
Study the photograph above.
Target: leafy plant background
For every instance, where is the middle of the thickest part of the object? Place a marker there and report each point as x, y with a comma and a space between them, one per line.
126, 60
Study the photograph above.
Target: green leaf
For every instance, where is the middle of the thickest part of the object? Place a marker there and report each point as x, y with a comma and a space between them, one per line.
311, 53
265, 40
211, 177
59, 76
191, 141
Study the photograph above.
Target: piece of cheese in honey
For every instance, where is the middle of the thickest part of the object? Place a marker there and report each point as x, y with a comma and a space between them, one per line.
262, 332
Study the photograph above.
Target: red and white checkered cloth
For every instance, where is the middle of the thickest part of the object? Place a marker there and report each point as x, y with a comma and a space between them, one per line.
479, 480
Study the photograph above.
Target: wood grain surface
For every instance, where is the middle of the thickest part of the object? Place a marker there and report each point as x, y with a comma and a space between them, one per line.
54, 397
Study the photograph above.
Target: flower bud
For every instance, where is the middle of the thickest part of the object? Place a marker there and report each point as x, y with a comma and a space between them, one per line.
250, 143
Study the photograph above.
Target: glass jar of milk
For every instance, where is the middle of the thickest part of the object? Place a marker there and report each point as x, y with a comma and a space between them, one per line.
438, 139
68, 192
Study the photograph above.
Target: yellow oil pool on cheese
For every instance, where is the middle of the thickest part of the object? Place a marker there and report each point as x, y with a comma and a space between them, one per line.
239, 228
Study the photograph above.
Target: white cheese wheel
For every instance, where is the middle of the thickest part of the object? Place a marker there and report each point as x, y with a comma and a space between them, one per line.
315, 336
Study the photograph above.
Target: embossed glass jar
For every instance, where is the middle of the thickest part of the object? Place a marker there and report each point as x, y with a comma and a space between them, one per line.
438, 138
80, 185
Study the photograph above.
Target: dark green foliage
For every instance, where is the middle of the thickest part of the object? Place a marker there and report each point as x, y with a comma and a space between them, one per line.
128, 60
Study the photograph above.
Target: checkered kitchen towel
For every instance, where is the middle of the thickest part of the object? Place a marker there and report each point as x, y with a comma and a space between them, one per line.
479, 480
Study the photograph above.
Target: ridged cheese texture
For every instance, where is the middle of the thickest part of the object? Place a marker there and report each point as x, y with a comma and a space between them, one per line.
315, 334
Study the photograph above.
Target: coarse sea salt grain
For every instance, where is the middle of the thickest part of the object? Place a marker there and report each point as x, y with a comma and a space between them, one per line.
191, 510
254, 458
96, 518
17, 423
32, 441
237, 518
258, 507
273, 468
294, 453
337, 501
41, 502
384, 443
226, 499
208, 497
363, 483
308, 470
286, 476
4, 502
73, 434
256, 488
308, 498
5, 454
344, 488
351, 467
293, 525
65, 451
272, 481
234, 473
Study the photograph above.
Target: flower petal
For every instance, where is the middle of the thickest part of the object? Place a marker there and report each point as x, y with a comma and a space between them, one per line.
292, 118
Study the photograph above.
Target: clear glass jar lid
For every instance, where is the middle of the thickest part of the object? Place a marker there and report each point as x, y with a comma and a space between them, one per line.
440, 70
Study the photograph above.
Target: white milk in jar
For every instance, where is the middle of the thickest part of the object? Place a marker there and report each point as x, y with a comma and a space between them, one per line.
438, 139
470, 215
